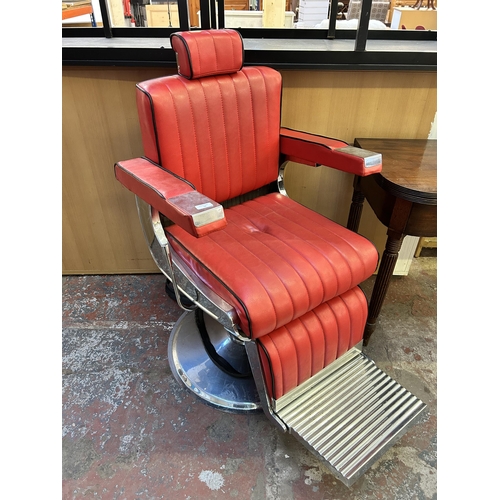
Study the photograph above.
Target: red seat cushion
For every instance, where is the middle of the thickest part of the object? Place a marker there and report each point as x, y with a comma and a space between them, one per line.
276, 260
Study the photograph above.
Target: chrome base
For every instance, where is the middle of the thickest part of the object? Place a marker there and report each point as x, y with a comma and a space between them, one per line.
192, 367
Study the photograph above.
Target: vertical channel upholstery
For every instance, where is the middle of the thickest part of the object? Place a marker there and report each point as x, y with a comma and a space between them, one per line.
220, 132
295, 352
207, 53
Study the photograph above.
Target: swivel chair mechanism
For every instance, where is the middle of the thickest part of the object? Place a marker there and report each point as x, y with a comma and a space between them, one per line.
274, 316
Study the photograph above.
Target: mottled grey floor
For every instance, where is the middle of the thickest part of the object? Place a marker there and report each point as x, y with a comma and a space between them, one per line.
131, 432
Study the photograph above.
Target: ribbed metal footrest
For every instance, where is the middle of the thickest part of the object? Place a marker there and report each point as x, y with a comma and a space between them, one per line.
350, 414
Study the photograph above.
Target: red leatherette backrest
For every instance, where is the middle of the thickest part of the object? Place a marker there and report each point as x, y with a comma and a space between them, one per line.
220, 132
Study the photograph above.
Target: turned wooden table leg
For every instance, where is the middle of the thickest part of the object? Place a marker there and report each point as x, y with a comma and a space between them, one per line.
384, 275
356, 209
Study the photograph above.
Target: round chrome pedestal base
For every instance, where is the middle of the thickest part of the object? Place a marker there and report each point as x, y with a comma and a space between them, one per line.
192, 367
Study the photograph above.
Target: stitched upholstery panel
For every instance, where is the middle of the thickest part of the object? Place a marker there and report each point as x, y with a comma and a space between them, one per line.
209, 52
221, 133
277, 259
295, 352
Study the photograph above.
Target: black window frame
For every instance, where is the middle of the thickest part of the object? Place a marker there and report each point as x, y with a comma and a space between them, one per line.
390, 56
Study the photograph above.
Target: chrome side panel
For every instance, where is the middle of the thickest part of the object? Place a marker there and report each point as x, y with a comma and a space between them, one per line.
184, 280
281, 179
266, 402
155, 240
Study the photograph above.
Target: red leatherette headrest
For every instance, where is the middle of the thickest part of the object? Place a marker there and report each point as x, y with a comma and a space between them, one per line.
207, 52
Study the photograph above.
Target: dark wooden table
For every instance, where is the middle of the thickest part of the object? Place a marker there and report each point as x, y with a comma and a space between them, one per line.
403, 197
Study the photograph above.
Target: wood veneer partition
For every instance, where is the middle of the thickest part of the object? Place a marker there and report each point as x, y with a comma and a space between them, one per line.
101, 231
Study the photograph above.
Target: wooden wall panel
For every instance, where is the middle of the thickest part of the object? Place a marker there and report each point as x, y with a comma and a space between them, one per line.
101, 231
346, 105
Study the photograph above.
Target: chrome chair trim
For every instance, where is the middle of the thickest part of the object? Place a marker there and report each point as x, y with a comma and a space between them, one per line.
184, 280
370, 158
266, 401
281, 179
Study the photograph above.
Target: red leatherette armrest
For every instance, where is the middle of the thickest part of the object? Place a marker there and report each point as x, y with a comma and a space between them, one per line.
171, 195
311, 149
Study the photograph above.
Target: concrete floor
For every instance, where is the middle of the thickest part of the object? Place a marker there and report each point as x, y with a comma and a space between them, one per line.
131, 432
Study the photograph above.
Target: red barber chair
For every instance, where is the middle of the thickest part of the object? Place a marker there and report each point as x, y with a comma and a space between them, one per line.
274, 316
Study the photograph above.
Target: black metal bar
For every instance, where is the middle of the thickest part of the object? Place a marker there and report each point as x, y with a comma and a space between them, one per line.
103, 5
333, 19
213, 15
162, 55
205, 14
390, 36
264, 33
362, 31
220, 8
183, 15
